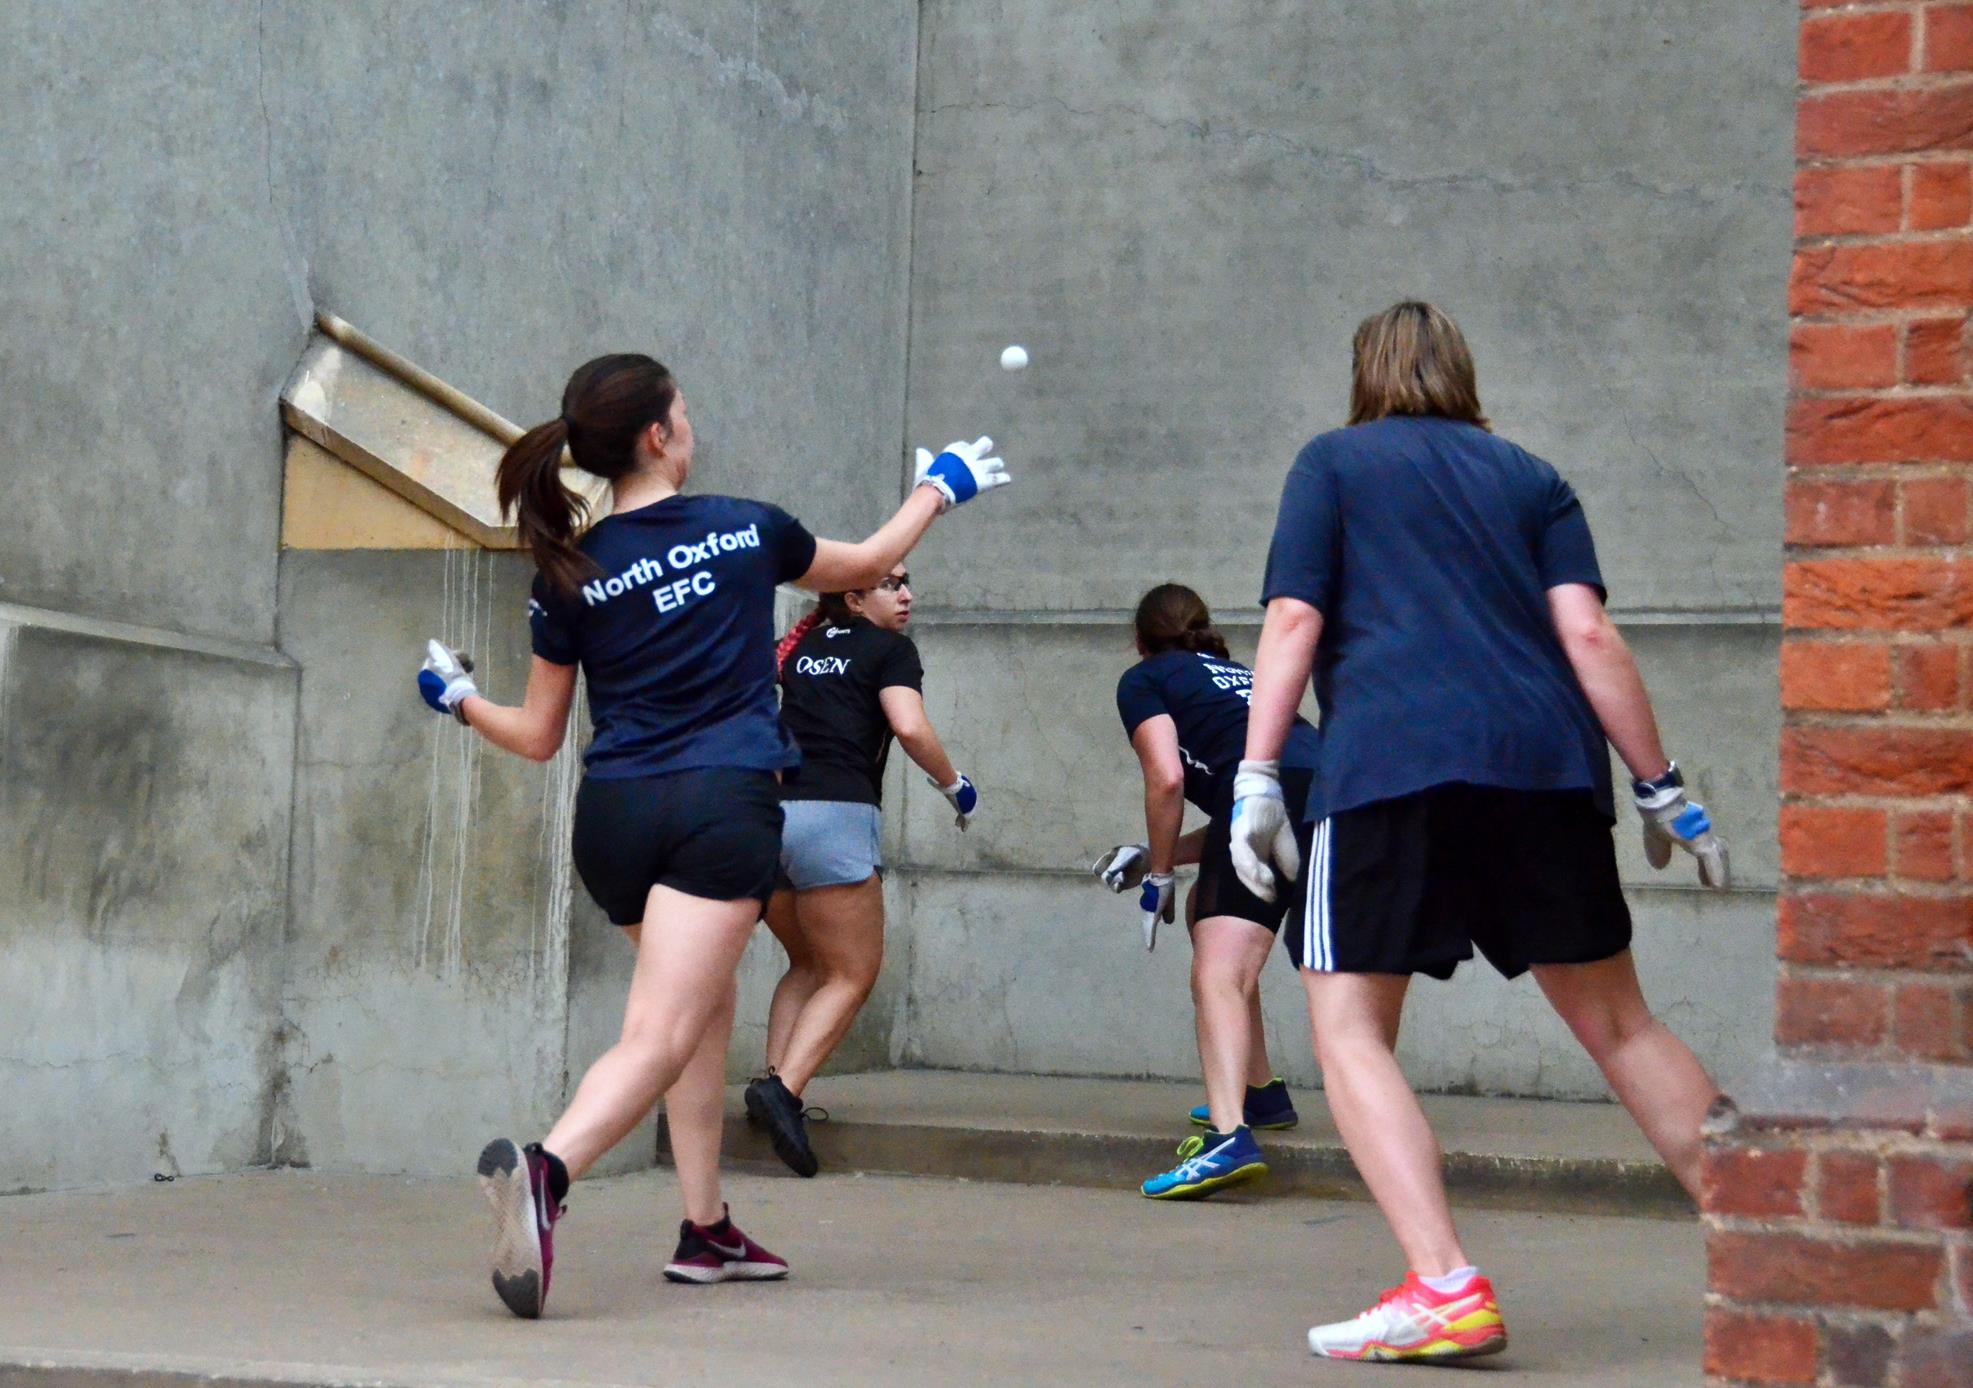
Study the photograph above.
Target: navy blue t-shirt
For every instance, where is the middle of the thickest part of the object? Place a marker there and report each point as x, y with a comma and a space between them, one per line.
1429, 547
675, 634
1207, 697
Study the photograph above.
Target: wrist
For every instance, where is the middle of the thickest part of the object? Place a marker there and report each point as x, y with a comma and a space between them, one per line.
1645, 788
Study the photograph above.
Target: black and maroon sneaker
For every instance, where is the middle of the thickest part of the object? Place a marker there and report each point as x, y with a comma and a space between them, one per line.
525, 1207
721, 1253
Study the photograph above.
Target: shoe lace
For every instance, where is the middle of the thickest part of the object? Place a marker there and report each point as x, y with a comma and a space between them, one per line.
815, 1113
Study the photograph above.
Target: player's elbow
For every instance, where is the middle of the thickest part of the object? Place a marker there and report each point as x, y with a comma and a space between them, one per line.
1589, 636
1164, 784
542, 746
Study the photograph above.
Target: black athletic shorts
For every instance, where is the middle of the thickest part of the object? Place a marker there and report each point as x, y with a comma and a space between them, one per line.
713, 833
1411, 885
1220, 892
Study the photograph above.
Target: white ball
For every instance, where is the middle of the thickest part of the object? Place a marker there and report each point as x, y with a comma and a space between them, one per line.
1013, 358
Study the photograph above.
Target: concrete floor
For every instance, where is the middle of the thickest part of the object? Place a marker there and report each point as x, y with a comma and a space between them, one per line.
296, 1277
1542, 1155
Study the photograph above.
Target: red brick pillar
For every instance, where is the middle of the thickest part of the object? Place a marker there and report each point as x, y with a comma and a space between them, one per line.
1839, 1198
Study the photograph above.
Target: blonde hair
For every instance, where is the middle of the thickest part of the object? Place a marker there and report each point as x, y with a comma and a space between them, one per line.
1412, 359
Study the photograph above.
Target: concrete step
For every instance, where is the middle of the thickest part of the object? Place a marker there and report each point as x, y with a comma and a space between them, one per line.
1517, 1154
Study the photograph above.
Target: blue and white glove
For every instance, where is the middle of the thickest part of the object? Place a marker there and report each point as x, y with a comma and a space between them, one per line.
1262, 839
961, 796
445, 679
1159, 903
1123, 866
962, 471
1670, 818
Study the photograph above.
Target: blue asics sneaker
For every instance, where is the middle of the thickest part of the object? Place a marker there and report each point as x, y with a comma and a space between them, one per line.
1208, 1162
1268, 1108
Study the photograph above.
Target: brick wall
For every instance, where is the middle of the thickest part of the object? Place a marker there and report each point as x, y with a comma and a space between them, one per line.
1839, 1189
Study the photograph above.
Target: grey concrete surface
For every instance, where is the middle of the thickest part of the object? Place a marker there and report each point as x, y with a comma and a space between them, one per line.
1539, 1154
1045, 973
447, 975
725, 185
1183, 211
144, 884
828, 218
294, 1278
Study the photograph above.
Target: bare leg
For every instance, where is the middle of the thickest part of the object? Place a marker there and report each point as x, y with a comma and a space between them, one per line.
1227, 955
1355, 1021
1655, 1075
695, 1109
683, 980
1260, 1070
843, 930
797, 985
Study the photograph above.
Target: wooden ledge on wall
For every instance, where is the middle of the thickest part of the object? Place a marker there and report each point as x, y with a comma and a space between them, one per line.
384, 455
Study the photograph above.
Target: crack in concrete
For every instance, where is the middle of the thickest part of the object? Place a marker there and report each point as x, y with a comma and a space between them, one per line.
294, 266
1209, 130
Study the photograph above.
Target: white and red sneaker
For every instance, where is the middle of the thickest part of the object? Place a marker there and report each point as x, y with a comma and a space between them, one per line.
721, 1253
515, 1180
1411, 1321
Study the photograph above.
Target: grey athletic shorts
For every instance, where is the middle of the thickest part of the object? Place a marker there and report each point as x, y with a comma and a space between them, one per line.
829, 843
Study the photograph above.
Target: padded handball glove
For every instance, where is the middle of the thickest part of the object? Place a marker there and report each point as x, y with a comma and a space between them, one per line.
961, 796
446, 678
1669, 818
962, 471
1262, 837
1159, 903
1123, 866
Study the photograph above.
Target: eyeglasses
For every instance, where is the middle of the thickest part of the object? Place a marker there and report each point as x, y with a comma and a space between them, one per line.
890, 583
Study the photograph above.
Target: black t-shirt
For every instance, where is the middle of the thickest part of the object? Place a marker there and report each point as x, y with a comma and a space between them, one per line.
675, 634
1429, 547
1207, 697
829, 688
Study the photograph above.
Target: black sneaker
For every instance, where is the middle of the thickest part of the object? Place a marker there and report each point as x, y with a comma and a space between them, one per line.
771, 1106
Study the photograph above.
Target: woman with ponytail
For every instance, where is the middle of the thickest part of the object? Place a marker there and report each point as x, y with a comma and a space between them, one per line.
1184, 707
666, 606
850, 682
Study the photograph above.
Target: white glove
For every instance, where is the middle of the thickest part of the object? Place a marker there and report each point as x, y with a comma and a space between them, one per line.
962, 471
1669, 818
445, 679
1260, 831
1159, 902
1123, 866
961, 796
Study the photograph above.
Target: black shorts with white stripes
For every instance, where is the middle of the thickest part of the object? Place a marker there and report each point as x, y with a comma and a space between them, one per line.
1414, 884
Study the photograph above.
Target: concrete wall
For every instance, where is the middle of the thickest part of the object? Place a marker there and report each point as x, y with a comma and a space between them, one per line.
725, 186
498, 196
1183, 212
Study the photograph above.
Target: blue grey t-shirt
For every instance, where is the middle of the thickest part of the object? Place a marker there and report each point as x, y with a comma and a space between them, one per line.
1207, 697
1429, 547
675, 634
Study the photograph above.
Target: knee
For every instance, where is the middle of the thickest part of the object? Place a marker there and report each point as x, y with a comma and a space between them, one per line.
1604, 1026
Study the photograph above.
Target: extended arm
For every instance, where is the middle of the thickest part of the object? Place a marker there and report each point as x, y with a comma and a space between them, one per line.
904, 710
1156, 744
956, 475
1286, 653
1608, 674
1261, 838
535, 729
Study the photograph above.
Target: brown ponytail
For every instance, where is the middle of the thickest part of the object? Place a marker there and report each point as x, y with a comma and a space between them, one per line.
1171, 617
607, 404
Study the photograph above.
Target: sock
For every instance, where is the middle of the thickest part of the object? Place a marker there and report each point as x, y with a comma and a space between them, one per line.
558, 1174
1451, 1281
